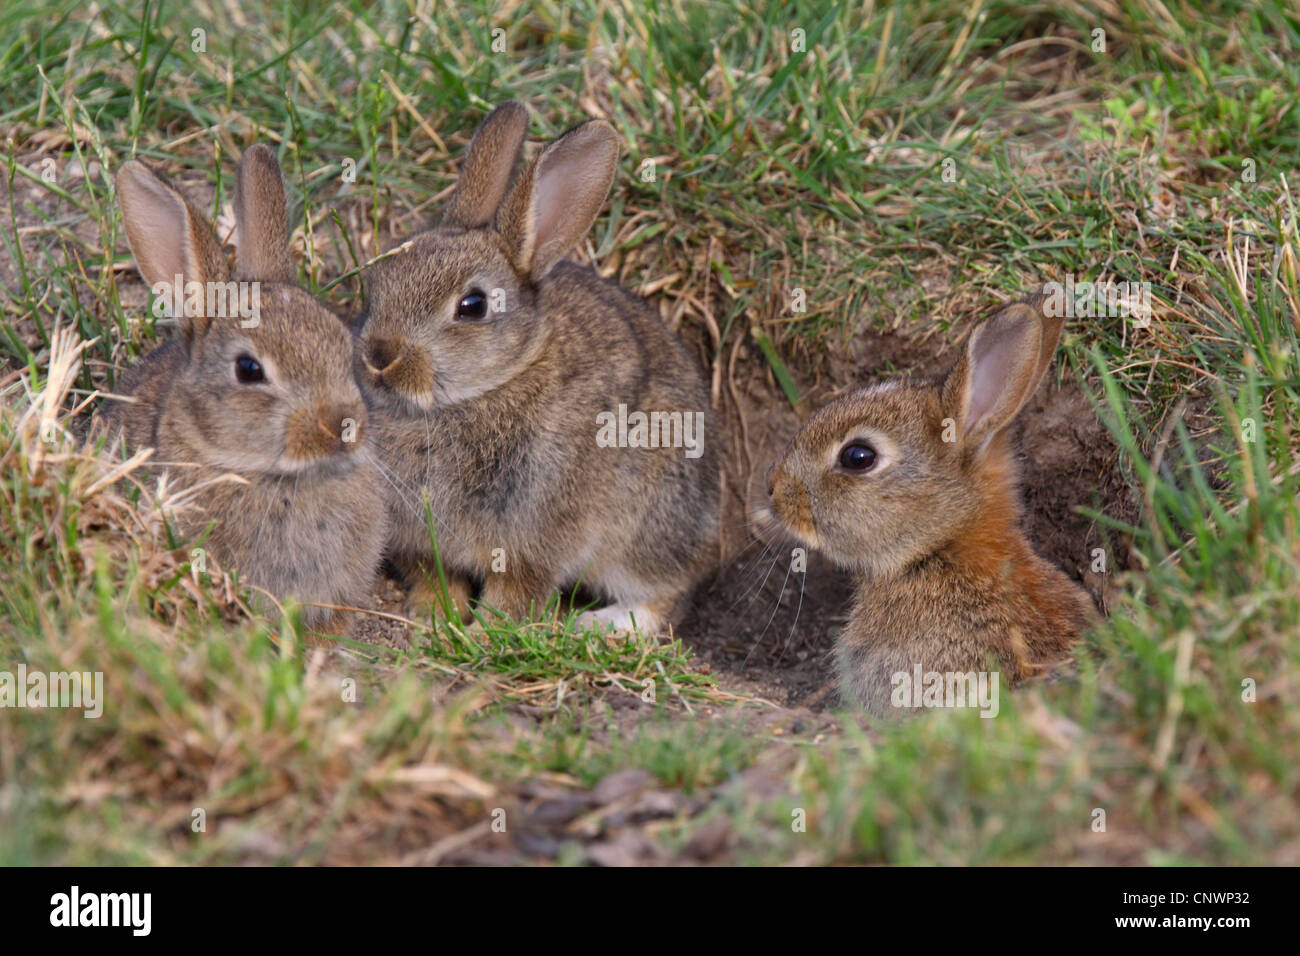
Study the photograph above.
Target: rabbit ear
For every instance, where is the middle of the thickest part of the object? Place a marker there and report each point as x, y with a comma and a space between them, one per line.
1005, 359
261, 212
168, 237
558, 197
490, 162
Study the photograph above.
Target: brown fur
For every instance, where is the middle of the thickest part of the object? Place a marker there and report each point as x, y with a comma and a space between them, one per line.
495, 419
308, 519
947, 579
261, 209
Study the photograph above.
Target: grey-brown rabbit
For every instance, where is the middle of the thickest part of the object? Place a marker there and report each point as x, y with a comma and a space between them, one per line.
268, 395
498, 368
913, 487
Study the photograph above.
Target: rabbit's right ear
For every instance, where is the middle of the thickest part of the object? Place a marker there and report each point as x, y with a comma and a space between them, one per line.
262, 214
489, 164
169, 238
1005, 359
557, 198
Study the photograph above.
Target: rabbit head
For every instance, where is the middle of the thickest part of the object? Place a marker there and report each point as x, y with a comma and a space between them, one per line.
269, 389
452, 314
884, 476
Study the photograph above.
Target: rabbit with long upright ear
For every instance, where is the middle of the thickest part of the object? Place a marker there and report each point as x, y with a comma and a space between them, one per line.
561, 431
913, 487
261, 385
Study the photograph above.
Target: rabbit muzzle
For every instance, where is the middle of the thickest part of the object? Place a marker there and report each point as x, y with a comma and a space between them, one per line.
791, 503
323, 429
395, 366
382, 357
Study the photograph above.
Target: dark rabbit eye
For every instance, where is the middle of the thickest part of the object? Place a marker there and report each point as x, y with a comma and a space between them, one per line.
857, 457
473, 306
249, 370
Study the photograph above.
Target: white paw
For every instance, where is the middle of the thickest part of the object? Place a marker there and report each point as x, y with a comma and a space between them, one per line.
621, 620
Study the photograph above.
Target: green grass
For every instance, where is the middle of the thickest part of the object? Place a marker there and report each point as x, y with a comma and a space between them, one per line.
677, 754
774, 170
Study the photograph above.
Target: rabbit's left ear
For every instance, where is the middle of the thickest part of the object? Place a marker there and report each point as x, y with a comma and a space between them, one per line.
490, 162
558, 197
173, 243
261, 211
1004, 362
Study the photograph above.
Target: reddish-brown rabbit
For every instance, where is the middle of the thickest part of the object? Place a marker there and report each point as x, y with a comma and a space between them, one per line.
913, 487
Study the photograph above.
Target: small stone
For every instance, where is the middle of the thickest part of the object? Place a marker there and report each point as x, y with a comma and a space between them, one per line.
621, 784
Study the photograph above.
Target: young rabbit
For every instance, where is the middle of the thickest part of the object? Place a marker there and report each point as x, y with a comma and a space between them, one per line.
914, 488
270, 397
499, 368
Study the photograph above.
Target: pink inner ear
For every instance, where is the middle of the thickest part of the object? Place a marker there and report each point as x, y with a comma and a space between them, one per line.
547, 199
156, 224
571, 181
564, 181
989, 379
168, 244
1003, 359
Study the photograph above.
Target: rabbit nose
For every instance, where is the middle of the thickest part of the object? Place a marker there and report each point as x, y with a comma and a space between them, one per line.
323, 428
382, 356
343, 424
790, 501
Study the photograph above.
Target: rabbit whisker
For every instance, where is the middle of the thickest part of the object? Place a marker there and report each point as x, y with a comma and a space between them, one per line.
392, 482
735, 558
428, 445
753, 570
799, 607
780, 595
